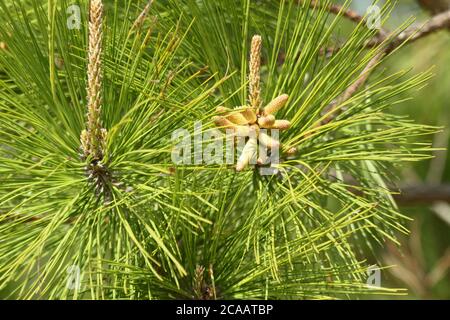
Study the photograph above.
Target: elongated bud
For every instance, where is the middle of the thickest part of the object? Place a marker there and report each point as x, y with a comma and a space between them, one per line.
234, 116
222, 110
267, 121
268, 141
95, 133
223, 122
241, 131
249, 114
248, 154
276, 104
237, 117
246, 131
255, 73
281, 125
3, 45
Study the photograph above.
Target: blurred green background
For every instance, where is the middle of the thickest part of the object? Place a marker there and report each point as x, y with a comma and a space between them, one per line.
422, 264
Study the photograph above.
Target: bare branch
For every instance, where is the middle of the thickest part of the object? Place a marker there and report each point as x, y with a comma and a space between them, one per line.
423, 194
412, 34
337, 9
350, 91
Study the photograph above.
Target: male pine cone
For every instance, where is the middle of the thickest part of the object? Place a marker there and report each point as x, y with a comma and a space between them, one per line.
93, 139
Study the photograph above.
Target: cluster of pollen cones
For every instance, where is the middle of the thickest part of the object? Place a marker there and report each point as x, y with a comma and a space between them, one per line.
248, 122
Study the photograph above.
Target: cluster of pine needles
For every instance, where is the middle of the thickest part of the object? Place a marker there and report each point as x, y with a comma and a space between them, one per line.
91, 205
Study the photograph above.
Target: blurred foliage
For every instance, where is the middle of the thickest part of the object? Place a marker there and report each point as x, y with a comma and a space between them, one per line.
430, 106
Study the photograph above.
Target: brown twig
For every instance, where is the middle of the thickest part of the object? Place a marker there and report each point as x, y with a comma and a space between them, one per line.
412, 34
436, 23
351, 90
423, 194
337, 9
407, 194
413, 195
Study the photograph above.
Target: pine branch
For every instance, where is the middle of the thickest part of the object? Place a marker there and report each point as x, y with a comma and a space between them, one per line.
436, 23
412, 195
344, 12
337, 10
264, 236
423, 194
353, 88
